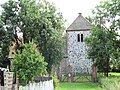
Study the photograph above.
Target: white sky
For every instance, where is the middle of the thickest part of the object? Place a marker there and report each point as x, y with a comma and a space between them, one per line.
71, 8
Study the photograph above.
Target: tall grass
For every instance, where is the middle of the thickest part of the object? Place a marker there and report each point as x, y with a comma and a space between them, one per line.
110, 83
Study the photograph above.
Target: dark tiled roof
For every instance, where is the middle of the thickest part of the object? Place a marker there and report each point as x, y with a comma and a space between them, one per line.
80, 23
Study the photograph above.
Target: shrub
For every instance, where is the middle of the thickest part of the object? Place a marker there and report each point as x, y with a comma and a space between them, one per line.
110, 83
29, 63
55, 80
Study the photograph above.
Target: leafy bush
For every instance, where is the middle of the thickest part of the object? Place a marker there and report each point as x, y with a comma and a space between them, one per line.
110, 83
55, 80
29, 63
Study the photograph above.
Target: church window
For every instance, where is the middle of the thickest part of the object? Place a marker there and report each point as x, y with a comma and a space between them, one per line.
81, 37
78, 37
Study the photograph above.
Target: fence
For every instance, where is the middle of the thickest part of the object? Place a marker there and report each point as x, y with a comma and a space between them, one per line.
41, 83
80, 75
44, 84
6, 79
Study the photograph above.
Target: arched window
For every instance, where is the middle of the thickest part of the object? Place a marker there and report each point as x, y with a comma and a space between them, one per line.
78, 37
81, 37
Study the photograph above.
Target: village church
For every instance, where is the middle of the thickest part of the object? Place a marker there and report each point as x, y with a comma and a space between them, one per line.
76, 47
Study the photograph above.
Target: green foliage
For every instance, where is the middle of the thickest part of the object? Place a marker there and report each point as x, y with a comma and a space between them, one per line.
107, 12
104, 40
109, 83
54, 52
40, 22
101, 48
29, 63
4, 49
50, 34
7, 30
55, 80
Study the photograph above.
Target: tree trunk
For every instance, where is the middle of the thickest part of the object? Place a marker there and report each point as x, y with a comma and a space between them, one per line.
25, 38
107, 68
106, 73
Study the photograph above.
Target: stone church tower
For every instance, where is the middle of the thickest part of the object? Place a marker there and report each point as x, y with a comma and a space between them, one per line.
76, 47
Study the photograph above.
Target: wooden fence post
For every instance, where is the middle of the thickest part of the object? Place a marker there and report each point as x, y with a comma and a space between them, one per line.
69, 73
17, 82
58, 74
94, 73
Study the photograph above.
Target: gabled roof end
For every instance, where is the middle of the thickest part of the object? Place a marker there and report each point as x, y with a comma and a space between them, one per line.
80, 23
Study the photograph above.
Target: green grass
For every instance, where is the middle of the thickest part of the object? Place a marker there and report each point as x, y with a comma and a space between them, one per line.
111, 74
89, 85
114, 74
78, 86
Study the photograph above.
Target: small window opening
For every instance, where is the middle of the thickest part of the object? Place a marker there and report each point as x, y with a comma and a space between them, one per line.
78, 37
12, 52
81, 37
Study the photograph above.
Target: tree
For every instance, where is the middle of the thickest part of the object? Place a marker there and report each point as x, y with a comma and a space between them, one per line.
7, 31
39, 22
100, 48
46, 28
104, 40
4, 50
106, 15
29, 63
54, 52
105, 18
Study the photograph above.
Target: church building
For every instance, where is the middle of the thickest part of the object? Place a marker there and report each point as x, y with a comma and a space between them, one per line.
76, 47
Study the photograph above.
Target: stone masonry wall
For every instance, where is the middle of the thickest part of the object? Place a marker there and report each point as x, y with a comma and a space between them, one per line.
77, 52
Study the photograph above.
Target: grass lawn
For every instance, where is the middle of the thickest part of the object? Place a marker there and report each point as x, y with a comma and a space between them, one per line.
114, 74
78, 86
89, 85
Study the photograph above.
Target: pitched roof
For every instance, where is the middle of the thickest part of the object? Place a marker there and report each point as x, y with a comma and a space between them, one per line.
80, 23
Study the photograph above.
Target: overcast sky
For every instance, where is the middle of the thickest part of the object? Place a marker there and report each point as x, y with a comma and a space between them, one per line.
71, 8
